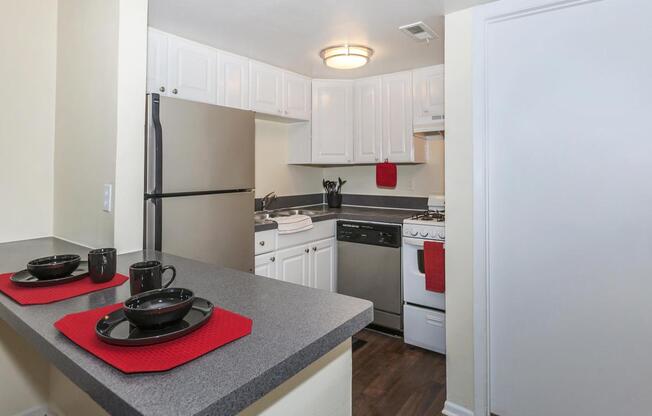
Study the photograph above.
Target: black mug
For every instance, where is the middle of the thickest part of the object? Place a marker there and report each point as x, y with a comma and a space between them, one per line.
148, 275
101, 264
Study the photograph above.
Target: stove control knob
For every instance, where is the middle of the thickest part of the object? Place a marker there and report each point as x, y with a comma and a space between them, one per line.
413, 233
441, 235
423, 233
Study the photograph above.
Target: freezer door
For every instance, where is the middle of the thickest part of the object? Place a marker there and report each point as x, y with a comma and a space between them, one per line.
203, 147
217, 228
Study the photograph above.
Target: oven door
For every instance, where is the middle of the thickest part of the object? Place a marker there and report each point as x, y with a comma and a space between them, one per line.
414, 278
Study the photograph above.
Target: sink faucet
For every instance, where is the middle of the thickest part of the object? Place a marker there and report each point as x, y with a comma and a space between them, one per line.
267, 200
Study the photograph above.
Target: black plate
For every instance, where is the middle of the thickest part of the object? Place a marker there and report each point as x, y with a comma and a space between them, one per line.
26, 279
159, 307
115, 329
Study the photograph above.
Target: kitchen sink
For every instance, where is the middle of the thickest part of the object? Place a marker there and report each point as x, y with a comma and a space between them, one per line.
261, 217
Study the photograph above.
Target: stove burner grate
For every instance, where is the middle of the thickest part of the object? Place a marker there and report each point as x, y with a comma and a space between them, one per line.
429, 215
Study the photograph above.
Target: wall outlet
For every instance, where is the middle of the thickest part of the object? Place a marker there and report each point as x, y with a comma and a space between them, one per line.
108, 191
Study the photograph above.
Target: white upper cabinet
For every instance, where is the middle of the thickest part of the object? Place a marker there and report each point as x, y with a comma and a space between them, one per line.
157, 62
296, 96
367, 125
265, 83
428, 98
332, 121
192, 70
397, 133
232, 80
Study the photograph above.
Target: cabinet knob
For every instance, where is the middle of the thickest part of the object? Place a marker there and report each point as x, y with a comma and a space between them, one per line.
162, 89
262, 243
307, 250
286, 111
273, 259
174, 91
314, 249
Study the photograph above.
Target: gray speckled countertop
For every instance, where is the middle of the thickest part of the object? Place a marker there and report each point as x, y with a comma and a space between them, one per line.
293, 327
388, 215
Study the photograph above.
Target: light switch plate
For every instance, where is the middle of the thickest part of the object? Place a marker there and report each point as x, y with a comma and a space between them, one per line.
108, 190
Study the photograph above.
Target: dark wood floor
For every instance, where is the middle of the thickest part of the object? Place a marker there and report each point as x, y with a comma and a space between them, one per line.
391, 378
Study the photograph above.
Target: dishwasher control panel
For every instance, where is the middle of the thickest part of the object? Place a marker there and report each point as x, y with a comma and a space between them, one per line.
369, 233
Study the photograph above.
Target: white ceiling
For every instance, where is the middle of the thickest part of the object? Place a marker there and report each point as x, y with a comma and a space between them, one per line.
290, 33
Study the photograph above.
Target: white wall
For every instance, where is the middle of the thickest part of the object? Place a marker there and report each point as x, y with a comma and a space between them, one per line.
28, 36
85, 141
459, 209
272, 171
412, 180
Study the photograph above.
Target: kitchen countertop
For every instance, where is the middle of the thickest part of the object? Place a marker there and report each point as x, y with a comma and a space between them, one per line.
388, 215
293, 326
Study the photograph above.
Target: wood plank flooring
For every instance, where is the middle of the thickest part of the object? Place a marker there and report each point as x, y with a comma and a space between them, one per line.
392, 378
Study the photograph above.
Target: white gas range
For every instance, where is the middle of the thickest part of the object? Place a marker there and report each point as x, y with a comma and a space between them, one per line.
424, 317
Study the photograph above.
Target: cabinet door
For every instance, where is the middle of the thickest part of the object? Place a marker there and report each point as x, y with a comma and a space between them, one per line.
265, 83
367, 137
397, 117
332, 121
292, 265
192, 71
323, 265
266, 265
232, 80
157, 61
428, 95
296, 96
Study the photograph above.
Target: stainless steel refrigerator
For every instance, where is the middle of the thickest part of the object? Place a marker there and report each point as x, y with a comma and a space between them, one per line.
199, 176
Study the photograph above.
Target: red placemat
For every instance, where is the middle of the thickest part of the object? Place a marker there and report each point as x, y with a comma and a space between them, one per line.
222, 327
49, 294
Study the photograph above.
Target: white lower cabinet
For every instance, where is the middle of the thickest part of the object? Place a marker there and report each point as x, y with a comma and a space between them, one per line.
266, 265
323, 264
293, 265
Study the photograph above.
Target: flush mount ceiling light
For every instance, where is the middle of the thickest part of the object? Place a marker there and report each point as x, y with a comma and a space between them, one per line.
346, 56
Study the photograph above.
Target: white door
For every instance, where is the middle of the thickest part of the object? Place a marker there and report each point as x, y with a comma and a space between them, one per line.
232, 80
332, 121
323, 265
265, 88
157, 61
428, 96
265, 265
568, 195
192, 71
292, 265
367, 136
296, 96
397, 117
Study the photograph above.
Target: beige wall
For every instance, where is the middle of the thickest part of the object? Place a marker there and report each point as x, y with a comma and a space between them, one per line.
85, 140
272, 171
459, 209
413, 180
28, 36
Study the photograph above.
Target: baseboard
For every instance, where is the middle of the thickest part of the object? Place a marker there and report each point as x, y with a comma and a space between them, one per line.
41, 410
452, 409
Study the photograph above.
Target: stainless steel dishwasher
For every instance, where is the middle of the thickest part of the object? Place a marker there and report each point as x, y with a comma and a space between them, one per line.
369, 267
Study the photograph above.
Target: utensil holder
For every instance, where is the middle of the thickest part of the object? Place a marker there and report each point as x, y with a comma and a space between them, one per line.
334, 200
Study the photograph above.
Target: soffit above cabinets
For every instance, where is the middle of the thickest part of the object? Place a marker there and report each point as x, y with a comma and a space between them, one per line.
290, 33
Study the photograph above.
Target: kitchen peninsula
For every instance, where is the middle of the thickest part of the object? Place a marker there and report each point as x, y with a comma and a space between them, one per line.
300, 337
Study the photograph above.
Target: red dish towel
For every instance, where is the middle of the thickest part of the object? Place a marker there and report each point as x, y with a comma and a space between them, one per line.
386, 175
222, 327
50, 294
435, 266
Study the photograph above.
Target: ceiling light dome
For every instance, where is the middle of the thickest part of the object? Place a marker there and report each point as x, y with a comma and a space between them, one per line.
346, 56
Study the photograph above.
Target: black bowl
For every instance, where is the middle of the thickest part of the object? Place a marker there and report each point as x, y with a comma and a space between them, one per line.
53, 267
159, 307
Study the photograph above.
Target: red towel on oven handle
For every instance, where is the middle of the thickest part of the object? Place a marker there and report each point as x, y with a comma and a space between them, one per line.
435, 266
386, 175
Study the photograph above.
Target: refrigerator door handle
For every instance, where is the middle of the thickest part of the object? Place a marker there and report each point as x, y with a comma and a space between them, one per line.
158, 144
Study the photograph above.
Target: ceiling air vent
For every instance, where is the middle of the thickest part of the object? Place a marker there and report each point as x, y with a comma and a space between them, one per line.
419, 31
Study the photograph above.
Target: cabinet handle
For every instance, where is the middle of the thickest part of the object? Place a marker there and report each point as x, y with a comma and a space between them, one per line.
273, 259
174, 91
314, 249
307, 250
262, 243
162, 89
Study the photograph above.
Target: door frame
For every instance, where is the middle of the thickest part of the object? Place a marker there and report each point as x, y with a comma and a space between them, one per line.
483, 17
